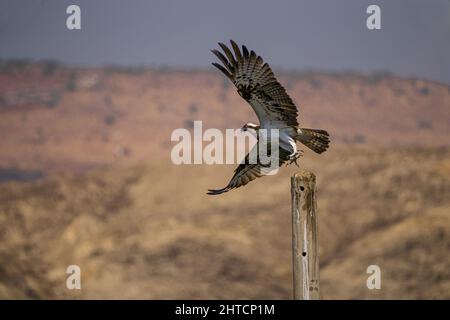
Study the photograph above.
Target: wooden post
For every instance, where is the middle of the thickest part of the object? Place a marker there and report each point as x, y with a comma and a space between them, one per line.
304, 236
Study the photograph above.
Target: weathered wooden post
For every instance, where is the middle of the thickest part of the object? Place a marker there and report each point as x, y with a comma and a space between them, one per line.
304, 236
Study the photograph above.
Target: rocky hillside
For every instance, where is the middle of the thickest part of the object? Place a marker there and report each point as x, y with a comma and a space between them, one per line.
85, 179
54, 118
150, 231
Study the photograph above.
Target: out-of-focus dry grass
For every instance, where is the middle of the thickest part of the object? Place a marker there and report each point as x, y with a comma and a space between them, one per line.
150, 231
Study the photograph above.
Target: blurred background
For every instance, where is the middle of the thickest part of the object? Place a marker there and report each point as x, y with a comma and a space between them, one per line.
85, 171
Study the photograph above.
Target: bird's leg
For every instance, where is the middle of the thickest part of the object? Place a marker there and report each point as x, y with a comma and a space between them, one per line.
293, 157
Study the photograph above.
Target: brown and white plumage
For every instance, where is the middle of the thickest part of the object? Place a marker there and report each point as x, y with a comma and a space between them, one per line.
247, 172
256, 83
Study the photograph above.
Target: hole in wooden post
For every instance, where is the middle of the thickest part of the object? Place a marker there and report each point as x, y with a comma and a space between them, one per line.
302, 188
304, 253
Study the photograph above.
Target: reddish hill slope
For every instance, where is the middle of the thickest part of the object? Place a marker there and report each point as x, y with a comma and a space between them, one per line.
54, 118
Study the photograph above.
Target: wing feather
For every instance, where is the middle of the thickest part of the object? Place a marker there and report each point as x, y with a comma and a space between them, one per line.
225, 71
224, 60
237, 52
228, 54
247, 172
245, 51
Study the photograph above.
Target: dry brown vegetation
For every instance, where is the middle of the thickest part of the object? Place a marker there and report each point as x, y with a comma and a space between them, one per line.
141, 227
150, 231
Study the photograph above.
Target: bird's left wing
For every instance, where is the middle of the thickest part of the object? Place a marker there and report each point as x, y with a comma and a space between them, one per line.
247, 172
257, 84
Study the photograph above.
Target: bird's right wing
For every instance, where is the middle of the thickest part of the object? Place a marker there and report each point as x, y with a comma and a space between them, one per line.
247, 172
257, 84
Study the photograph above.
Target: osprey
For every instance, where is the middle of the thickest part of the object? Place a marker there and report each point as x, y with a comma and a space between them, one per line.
256, 84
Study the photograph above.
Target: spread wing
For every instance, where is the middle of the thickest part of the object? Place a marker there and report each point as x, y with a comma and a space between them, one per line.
247, 171
257, 84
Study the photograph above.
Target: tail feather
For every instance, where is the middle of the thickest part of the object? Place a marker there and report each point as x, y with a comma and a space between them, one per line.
315, 139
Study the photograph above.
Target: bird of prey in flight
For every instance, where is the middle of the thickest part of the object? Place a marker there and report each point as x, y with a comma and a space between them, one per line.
256, 84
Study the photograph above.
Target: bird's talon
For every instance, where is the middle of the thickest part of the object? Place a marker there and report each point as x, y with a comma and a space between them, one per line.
293, 158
